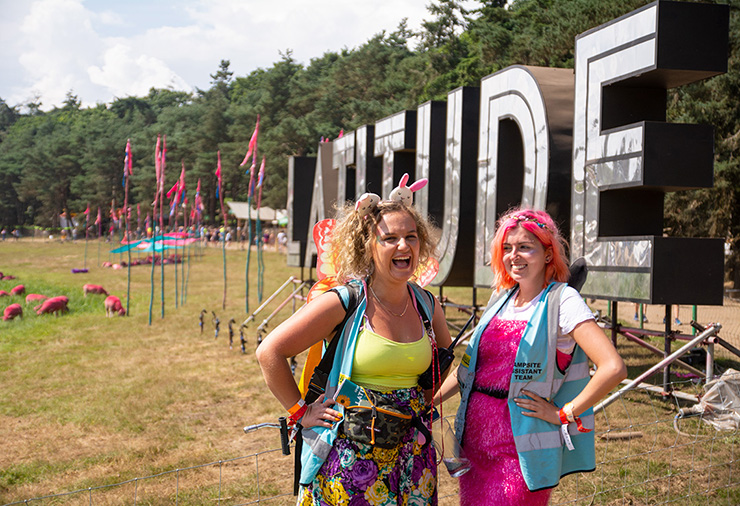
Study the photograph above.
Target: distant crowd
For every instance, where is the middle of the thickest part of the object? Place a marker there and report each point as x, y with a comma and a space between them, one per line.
274, 237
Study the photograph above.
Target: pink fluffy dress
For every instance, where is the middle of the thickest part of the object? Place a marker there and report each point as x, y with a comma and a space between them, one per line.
495, 477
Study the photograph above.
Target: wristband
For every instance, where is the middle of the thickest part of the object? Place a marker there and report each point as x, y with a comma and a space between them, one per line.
296, 407
581, 428
296, 417
563, 416
568, 410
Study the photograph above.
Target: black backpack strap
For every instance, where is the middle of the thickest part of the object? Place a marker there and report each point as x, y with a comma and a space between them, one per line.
425, 318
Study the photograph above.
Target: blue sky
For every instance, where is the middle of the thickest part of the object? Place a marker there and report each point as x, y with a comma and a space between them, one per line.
106, 49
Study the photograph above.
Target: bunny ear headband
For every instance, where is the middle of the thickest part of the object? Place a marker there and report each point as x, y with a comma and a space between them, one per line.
401, 193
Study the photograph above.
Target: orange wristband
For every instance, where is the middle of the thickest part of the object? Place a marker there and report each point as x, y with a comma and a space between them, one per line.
296, 407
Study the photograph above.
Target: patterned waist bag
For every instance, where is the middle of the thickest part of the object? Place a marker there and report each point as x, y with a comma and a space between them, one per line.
374, 419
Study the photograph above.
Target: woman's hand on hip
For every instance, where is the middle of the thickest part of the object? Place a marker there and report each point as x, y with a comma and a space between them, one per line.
320, 414
538, 407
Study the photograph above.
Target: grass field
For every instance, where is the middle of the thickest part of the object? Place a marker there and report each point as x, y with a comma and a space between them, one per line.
87, 400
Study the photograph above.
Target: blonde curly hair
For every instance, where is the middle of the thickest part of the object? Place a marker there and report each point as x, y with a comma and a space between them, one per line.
353, 235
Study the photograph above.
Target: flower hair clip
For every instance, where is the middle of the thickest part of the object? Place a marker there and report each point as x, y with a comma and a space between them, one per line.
523, 217
401, 193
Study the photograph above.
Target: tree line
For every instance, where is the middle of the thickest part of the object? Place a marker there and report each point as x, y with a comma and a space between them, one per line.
71, 156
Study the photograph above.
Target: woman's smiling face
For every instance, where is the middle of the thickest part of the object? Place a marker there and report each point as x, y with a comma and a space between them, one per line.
525, 258
396, 247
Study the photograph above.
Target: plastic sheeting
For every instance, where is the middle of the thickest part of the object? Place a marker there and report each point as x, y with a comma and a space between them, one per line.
720, 404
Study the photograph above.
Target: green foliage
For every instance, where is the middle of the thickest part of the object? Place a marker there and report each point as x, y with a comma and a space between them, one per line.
69, 157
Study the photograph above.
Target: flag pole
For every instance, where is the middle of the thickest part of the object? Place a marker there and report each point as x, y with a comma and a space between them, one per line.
87, 224
153, 240
161, 220
220, 191
127, 169
260, 242
251, 151
100, 233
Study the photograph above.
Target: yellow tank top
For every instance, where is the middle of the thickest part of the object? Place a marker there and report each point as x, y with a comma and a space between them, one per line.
382, 364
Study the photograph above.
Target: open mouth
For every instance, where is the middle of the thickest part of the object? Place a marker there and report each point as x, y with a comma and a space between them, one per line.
402, 262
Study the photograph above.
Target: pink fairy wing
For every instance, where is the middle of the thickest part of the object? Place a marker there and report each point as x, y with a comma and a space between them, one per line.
426, 272
325, 255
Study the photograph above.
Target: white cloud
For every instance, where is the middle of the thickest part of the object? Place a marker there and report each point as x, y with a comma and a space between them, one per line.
125, 74
101, 50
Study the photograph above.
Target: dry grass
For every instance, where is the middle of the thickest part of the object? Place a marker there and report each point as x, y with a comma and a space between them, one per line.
88, 401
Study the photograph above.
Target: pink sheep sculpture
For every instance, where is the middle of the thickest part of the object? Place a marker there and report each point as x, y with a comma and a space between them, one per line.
53, 305
12, 311
113, 305
3, 293
35, 297
18, 290
93, 289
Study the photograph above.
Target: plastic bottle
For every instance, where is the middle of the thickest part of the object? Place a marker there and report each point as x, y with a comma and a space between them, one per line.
448, 447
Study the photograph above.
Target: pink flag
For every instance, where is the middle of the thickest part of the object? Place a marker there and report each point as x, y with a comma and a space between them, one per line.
128, 161
252, 144
218, 174
157, 169
162, 163
261, 177
98, 220
173, 189
260, 180
181, 189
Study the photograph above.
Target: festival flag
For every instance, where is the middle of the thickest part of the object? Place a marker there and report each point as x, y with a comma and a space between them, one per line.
198, 203
162, 167
99, 219
173, 189
260, 180
157, 169
218, 175
127, 162
181, 190
252, 144
250, 193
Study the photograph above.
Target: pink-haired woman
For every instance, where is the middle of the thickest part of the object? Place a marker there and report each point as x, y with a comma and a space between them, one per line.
525, 415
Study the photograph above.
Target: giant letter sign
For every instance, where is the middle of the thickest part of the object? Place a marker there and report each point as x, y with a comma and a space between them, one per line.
344, 162
625, 157
322, 202
301, 171
368, 169
457, 243
430, 159
592, 147
395, 141
516, 150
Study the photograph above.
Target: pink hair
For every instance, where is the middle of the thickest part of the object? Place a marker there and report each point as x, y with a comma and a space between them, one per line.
542, 226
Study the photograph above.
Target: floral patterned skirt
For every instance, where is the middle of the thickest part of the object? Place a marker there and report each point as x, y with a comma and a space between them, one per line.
357, 474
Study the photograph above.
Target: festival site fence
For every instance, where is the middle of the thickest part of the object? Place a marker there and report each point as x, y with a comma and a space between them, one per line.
646, 455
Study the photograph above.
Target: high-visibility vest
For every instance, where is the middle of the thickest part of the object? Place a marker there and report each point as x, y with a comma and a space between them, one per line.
543, 456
